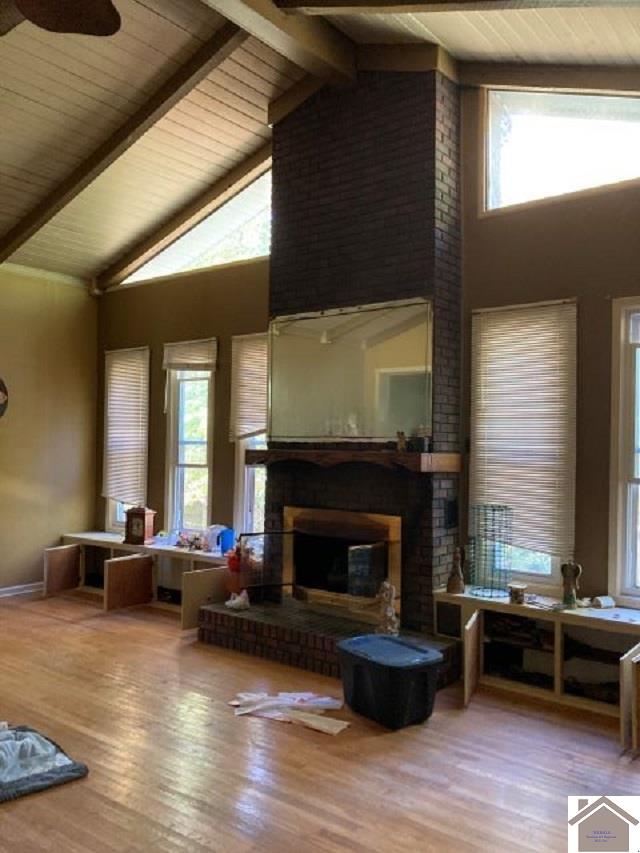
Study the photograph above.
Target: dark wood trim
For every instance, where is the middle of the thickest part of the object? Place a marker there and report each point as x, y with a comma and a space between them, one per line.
406, 57
580, 78
201, 64
421, 463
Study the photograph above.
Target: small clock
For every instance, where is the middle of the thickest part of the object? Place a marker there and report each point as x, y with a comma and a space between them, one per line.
139, 526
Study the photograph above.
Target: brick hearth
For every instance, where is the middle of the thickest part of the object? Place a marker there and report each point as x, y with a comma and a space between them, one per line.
293, 634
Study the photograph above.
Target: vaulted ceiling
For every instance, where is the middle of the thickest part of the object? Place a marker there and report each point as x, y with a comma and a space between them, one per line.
112, 147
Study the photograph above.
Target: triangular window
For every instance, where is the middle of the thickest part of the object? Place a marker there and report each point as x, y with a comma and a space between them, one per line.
239, 230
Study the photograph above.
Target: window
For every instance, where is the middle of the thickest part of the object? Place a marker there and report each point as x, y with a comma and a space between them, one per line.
238, 230
126, 419
189, 367
252, 485
249, 380
543, 144
625, 462
523, 428
116, 514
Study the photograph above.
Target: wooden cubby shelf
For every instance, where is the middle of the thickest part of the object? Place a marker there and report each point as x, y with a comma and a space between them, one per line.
586, 658
100, 567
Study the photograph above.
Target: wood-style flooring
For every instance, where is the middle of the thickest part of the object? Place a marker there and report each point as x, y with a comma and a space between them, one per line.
172, 769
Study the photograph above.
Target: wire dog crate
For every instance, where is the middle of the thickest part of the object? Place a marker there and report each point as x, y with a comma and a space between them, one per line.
490, 539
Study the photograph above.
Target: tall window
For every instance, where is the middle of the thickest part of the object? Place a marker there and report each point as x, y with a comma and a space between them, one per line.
249, 372
126, 419
189, 367
625, 462
543, 144
238, 230
523, 427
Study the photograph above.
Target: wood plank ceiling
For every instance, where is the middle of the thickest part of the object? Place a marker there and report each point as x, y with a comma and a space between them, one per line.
61, 96
582, 36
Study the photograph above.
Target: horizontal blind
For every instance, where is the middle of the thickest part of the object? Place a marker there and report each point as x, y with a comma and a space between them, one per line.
191, 355
126, 425
249, 372
523, 421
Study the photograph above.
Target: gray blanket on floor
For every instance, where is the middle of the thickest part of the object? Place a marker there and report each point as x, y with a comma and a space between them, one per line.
30, 762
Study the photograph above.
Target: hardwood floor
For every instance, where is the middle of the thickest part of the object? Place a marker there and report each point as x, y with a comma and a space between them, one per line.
172, 769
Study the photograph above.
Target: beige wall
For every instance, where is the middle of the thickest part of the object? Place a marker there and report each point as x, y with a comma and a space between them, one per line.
406, 350
47, 437
218, 302
585, 246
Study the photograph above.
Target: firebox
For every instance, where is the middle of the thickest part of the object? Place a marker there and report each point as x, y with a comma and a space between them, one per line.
339, 558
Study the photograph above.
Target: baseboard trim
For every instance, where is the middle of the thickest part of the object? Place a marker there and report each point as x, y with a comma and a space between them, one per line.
21, 589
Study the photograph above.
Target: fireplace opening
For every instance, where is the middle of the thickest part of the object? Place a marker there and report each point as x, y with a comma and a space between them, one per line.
350, 566
339, 558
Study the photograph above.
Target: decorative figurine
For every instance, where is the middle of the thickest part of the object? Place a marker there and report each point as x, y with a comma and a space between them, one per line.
571, 572
238, 601
191, 541
455, 581
389, 619
401, 441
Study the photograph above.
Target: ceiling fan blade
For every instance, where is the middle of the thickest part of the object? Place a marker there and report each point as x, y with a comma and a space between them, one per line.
10, 16
88, 17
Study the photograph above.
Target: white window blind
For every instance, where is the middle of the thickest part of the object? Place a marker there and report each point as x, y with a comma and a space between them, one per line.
523, 421
249, 371
191, 355
126, 425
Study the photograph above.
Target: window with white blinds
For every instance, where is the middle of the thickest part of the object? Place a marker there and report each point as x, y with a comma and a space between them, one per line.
523, 425
191, 355
249, 377
126, 423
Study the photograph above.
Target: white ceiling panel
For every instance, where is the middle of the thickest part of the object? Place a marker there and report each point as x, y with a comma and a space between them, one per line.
603, 36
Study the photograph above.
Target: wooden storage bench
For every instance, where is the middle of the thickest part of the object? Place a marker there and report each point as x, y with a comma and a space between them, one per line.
546, 653
100, 566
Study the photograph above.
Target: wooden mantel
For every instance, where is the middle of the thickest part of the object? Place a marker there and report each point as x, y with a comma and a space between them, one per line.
421, 463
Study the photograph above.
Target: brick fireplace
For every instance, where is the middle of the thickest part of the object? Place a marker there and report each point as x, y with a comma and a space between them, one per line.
366, 209
366, 202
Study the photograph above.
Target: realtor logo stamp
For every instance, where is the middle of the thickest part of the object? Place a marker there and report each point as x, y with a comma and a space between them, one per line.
608, 824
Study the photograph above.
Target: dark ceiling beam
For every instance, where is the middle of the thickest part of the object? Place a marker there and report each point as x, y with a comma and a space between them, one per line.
613, 79
394, 7
313, 45
406, 57
189, 216
202, 63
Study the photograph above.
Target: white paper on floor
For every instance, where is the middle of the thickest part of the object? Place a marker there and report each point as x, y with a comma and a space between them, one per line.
303, 708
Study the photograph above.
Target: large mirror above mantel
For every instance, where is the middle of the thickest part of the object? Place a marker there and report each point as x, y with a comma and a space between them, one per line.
353, 374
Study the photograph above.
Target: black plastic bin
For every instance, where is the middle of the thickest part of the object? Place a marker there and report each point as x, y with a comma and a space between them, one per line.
391, 680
